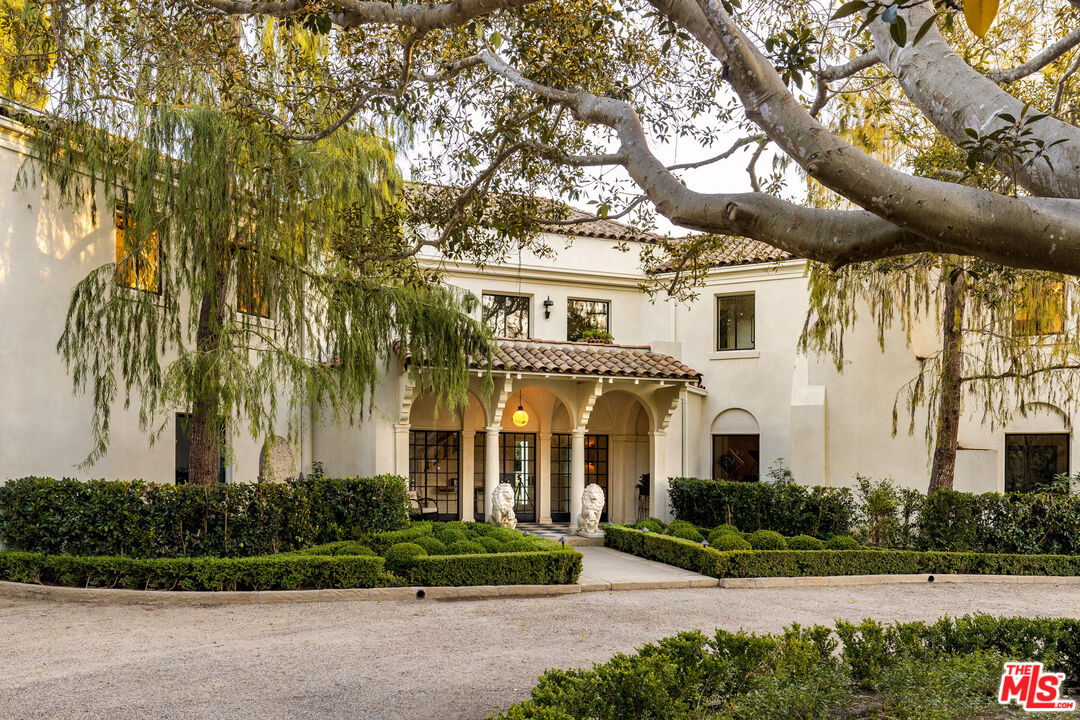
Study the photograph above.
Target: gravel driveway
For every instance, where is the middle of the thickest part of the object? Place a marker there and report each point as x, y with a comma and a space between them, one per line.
401, 659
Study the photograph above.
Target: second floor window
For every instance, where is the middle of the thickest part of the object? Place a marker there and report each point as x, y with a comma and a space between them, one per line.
1042, 309
251, 296
585, 319
735, 322
137, 263
507, 316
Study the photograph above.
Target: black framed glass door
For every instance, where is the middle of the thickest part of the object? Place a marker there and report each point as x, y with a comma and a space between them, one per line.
596, 466
1032, 461
517, 466
560, 477
435, 469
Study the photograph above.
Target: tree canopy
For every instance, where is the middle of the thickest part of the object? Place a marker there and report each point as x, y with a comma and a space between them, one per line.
527, 95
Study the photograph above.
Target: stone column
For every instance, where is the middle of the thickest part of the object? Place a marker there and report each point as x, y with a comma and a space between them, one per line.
491, 468
468, 469
543, 479
658, 474
401, 449
577, 474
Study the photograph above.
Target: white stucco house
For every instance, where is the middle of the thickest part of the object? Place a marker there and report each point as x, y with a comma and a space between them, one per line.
711, 388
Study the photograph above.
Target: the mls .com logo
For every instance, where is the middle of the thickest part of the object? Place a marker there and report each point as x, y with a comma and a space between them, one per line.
1026, 683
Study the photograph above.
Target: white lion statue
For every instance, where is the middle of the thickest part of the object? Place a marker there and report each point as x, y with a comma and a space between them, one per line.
592, 505
502, 506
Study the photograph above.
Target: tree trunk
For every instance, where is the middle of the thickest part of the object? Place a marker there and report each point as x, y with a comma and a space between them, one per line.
948, 424
207, 424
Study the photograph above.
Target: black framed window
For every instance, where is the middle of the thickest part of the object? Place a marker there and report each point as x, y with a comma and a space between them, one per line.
735, 322
586, 317
138, 261
507, 315
596, 465
435, 468
1032, 461
182, 464
560, 477
736, 457
517, 466
479, 474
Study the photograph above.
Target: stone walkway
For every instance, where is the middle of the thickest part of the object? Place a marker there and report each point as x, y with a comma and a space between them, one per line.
607, 569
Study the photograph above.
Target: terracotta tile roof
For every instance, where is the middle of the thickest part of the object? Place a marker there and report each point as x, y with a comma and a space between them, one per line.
736, 251
578, 358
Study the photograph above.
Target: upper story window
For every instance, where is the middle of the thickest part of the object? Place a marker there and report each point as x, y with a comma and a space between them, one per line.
251, 295
507, 316
137, 264
588, 319
735, 322
1042, 309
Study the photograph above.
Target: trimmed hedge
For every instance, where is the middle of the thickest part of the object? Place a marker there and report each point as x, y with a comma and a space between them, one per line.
787, 508
947, 669
272, 572
798, 563
140, 519
551, 567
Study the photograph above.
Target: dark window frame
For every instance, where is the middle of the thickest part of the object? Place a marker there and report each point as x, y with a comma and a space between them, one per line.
425, 480
736, 300
496, 318
1064, 442
526, 497
576, 337
120, 225
560, 469
755, 456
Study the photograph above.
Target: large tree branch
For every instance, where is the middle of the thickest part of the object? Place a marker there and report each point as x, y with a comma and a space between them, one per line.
954, 97
354, 13
967, 220
1039, 61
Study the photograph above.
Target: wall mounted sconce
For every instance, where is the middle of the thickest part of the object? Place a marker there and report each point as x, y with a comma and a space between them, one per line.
547, 307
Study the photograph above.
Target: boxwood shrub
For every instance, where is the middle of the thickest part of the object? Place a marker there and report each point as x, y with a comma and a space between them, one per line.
728, 541
550, 567
766, 540
271, 572
947, 669
140, 519
805, 542
797, 563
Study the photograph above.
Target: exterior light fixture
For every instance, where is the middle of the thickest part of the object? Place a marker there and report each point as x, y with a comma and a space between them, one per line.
520, 417
547, 307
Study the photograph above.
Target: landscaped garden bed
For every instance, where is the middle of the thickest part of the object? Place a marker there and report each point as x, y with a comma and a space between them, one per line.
777, 561
314, 533
945, 670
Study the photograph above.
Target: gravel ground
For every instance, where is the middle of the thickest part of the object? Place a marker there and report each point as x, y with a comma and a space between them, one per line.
413, 659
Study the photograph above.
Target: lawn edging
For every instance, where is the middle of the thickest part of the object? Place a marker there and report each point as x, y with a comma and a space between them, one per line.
699, 558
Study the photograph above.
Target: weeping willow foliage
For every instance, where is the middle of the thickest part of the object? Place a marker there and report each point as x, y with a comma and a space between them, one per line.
1020, 330
217, 216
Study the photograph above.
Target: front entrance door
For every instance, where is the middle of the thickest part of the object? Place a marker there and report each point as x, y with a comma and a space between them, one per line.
517, 466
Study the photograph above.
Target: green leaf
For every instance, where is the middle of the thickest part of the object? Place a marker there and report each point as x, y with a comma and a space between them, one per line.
898, 31
849, 8
924, 28
496, 40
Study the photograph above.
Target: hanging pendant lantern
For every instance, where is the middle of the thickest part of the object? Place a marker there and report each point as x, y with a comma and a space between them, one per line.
520, 417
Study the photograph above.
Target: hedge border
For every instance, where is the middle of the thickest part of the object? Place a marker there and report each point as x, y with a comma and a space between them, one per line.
196, 574
544, 567
292, 571
815, 563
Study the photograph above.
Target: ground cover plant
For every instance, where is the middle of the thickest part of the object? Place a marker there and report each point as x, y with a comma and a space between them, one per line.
948, 669
735, 555
417, 554
880, 514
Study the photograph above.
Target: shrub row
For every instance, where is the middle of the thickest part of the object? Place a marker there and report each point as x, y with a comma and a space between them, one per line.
272, 572
947, 669
798, 563
992, 522
552, 567
140, 519
884, 515
787, 508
